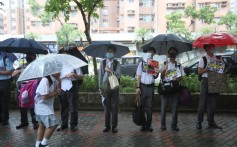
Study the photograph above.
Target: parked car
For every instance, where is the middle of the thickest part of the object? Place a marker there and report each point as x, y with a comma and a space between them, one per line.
129, 65
191, 67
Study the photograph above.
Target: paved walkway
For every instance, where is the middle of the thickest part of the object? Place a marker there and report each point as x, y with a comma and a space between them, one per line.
90, 133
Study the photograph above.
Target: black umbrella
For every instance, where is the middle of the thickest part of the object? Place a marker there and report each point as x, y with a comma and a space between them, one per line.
22, 45
76, 53
163, 42
99, 48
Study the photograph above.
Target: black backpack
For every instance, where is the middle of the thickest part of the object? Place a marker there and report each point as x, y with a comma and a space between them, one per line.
205, 65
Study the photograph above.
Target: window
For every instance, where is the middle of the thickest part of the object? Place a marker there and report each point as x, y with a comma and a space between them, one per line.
12, 2
217, 5
130, 17
121, 3
146, 18
73, 13
105, 11
13, 27
105, 23
121, 18
146, 3
201, 5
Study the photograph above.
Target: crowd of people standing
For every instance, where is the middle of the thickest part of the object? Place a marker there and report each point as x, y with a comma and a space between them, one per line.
65, 86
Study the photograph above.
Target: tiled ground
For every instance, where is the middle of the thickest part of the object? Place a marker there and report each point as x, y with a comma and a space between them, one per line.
91, 125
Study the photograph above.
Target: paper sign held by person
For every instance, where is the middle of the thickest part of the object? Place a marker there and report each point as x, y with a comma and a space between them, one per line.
216, 66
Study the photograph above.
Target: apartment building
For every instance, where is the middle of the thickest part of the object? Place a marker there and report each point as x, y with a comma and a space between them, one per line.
1, 22
233, 6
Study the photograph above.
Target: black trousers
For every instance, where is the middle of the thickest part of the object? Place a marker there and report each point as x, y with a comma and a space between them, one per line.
5, 95
24, 117
68, 101
147, 94
110, 104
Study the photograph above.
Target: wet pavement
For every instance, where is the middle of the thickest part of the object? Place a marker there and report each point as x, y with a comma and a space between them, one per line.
90, 133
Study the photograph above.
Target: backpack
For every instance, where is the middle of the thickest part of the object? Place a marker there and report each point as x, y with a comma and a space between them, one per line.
205, 65
27, 93
115, 63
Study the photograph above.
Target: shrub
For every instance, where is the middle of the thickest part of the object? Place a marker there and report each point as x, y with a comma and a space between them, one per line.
90, 84
191, 82
232, 84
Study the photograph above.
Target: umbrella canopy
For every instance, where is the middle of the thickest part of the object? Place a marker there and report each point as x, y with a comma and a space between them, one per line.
163, 42
218, 39
49, 64
76, 53
22, 45
98, 49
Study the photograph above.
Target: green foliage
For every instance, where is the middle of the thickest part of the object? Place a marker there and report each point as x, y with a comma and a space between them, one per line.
31, 35
232, 84
230, 20
90, 84
206, 31
191, 12
126, 81
142, 34
35, 8
207, 14
128, 90
68, 34
191, 82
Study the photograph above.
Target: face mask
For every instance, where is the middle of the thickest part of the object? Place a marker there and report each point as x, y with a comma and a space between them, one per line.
109, 55
149, 56
172, 55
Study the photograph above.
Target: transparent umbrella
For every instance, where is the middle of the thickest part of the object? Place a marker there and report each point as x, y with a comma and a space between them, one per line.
49, 64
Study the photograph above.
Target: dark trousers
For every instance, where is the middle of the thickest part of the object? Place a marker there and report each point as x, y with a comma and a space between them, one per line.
147, 94
5, 95
110, 104
175, 100
206, 98
24, 117
68, 101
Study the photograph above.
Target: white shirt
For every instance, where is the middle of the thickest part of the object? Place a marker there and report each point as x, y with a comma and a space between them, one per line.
44, 107
170, 67
201, 64
66, 83
145, 77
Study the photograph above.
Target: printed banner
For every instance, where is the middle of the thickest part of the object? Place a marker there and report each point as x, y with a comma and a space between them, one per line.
216, 66
173, 74
150, 67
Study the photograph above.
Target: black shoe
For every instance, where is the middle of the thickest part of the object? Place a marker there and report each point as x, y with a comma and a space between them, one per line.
143, 128
22, 125
163, 127
40, 145
61, 128
214, 125
5, 123
199, 125
73, 128
175, 128
114, 130
106, 129
35, 126
150, 129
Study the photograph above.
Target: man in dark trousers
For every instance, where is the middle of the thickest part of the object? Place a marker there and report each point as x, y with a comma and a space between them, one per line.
69, 96
110, 98
205, 97
6, 69
145, 87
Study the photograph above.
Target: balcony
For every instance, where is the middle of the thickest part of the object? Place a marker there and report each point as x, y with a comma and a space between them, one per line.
131, 12
175, 5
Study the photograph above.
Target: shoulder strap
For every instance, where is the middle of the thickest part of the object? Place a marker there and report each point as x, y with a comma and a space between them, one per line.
205, 61
115, 63
104, 64
4, 60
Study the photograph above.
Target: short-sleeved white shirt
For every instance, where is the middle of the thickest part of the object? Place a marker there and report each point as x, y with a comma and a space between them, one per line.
145, 77
44, 107
170, 67
201, 64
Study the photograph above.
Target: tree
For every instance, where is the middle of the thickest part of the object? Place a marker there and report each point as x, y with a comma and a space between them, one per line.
32, 35
142, 34
191, 12
207, 14
230, 20
86, 7
68, 34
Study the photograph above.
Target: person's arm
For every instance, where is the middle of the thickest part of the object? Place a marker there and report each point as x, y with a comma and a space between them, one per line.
100, 73
9, 68
139, 73
7, 72
163, 70
56, 92
78, 75
16, 73
201, 68
117, 72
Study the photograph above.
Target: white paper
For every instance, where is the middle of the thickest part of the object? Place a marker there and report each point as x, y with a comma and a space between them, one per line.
173, 74
215, 66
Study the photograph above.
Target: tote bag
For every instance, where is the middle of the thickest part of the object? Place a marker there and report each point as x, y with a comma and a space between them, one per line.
113, 82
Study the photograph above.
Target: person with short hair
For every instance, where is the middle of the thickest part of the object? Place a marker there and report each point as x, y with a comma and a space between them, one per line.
6, 69
110, 98
205, 96
165, 68
145, 88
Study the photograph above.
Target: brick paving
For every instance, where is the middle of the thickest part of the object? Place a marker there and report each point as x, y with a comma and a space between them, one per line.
90, 133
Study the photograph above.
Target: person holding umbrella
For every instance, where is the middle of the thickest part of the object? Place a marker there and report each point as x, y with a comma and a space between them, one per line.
6, 69
145, 87
166, 68
206, 97
110, 98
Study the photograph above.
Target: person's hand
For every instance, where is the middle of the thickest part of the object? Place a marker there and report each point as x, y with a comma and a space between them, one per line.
138, 90
165, 67
58, 90
70, 75
108, 69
